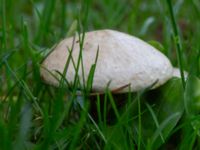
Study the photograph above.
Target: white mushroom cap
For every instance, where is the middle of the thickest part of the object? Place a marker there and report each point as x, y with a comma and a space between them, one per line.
122, 60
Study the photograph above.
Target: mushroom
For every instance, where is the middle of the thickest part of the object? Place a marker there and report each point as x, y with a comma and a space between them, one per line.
176, 73
122, 60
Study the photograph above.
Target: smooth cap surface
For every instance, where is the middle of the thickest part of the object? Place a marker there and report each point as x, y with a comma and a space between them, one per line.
123, 59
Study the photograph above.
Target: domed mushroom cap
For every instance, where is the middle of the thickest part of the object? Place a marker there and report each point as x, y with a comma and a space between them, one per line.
122, 60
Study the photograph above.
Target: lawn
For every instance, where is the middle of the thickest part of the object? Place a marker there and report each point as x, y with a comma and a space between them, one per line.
35, 115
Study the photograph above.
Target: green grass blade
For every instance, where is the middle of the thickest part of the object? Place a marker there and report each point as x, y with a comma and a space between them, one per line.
114, 107
3, 17
177, 40
91, 73
45, 22
139, 122
155, 120
164, 125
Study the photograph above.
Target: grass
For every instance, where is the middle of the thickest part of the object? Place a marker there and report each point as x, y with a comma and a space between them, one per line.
34, 115
177, 40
